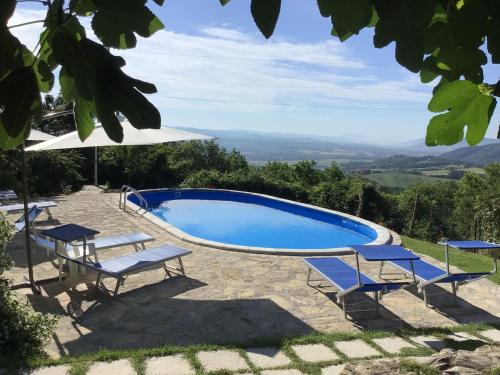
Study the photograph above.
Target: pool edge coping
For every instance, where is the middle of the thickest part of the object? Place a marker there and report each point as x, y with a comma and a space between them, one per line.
383, 234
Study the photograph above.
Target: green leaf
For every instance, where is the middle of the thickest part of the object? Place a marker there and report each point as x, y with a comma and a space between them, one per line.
7, 8
224, 2
116, 22
55, 14
469, 24
83, 109
97, 73
350, 16
493, 36
7, 142
466, 106
82, 7
11, 52
404, 22
429, 70
325, 7
19, 98
265, 14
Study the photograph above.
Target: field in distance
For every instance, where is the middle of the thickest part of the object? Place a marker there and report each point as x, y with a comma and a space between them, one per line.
403, 180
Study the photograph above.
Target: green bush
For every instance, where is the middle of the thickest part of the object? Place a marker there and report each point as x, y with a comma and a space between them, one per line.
23, 333
49, 172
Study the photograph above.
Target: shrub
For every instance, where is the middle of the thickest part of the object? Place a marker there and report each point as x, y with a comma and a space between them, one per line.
23, 333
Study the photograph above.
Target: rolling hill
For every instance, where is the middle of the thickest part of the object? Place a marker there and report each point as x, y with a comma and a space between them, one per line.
480, 155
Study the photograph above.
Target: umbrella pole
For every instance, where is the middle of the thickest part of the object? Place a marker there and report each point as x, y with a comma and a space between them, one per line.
27, 224
95, 167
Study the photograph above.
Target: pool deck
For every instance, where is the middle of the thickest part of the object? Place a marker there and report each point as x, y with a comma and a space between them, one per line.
227, 296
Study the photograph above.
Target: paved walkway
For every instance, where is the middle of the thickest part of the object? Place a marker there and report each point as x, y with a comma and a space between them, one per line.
228, 297
331, 358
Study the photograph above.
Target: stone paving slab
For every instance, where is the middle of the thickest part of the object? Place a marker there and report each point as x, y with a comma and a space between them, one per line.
429, 341
282, 372
393, 345
121, 367
315, 353
356, 349
332, 370
222, 360
463, 336
492, 334
169, 365
53, 370
267, 357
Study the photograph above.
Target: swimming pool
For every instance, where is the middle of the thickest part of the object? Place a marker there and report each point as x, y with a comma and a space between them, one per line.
242, 221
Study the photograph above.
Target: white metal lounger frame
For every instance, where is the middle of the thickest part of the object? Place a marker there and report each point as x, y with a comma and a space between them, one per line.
45, 207
75, 247
121, 278
423, 284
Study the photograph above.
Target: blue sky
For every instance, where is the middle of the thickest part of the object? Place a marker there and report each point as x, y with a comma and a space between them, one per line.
213, 69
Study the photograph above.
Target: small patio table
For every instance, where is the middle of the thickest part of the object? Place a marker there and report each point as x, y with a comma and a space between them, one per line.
68, 233
382, 253
470, 245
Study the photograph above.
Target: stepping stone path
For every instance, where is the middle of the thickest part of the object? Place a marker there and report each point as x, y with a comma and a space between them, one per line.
463, 336
492, 334
429, 341
170, 365
333, 370
393, 345
122, 367
315, 353
54, 370
282, 372
222, 360
356, 349
267, 357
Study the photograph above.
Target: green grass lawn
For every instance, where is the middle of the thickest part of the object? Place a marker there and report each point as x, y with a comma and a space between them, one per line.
395, 179
464, 260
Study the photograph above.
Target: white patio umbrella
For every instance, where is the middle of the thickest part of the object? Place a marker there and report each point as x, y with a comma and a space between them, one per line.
131, 137
38, 136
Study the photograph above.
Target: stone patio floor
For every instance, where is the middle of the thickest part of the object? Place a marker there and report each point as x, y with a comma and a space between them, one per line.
227, 296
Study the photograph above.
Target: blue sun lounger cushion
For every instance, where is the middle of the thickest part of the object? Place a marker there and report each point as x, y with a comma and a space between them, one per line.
428, 274
345, 278
33, 213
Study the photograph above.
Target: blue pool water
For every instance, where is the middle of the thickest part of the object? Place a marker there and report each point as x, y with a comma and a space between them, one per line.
248, 220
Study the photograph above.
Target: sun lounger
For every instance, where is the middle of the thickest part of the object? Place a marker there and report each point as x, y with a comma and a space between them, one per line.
46, 205
348, 279
427, 273
7, 195
120, 267
75, 251
33, 213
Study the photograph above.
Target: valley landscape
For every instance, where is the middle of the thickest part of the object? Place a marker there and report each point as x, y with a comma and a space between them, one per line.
394, 166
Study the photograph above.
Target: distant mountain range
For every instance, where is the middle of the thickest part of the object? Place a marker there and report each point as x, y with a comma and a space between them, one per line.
260, 147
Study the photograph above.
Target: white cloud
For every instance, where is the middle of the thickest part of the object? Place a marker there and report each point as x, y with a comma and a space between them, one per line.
227, 64
225, 33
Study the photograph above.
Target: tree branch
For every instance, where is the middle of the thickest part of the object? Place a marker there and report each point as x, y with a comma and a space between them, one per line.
26, 23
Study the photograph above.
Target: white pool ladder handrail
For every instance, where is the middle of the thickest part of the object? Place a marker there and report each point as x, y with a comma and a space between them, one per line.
123, 196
